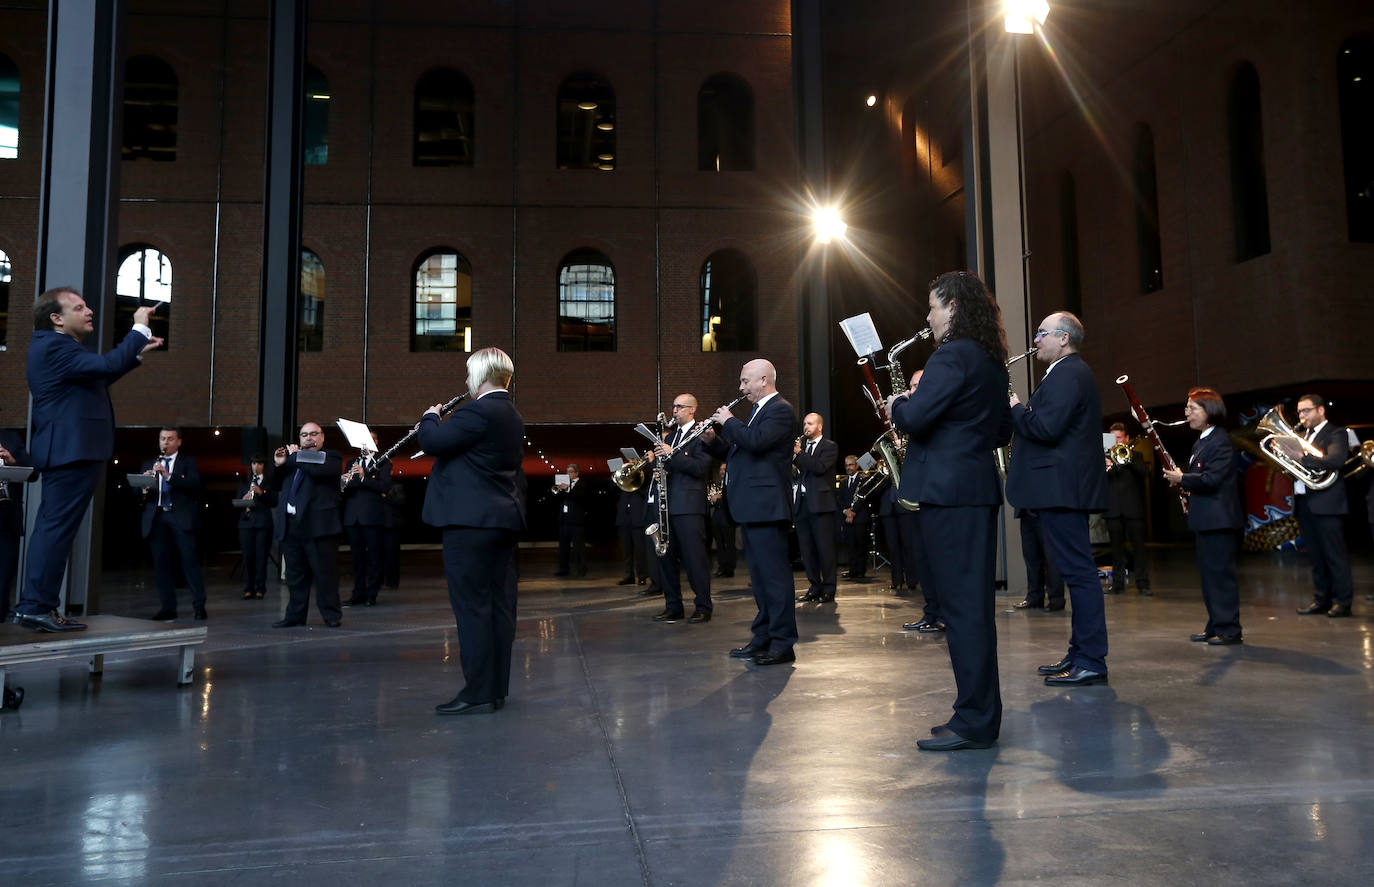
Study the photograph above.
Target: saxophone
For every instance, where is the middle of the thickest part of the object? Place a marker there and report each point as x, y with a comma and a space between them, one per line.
891, 444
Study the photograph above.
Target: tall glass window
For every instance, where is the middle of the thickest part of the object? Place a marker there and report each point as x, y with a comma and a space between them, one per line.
586, 123
443, 302
144, 278
729, 303
1249, 193
444, 115
4, 300
725, 125
1355, 88
150, 109
9, 108
1149, 252
586, 302
315, 137
310, 308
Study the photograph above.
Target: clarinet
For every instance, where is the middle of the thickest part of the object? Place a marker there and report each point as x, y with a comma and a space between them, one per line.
443, 411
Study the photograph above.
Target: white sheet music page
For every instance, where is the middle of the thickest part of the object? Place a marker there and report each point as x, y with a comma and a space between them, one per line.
862, 334
359, 437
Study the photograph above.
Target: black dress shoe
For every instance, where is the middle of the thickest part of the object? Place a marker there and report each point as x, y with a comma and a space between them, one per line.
459, 707
643, 582
668, 616
1078, 676
1145, 592
950, 741
1313, 609
499, 703
164, 616
51, 621
200, 614
939, 730
748, 651
1338, 611
560, 572
332, 623
937, 625
356, 601
1217, 641
1023, 605
1115, 589
288, 623
770, 658
1062, 665
699, 616
1054, 608
628, 580
810, 597
922, 625
652, 590
248, 595
1201, 638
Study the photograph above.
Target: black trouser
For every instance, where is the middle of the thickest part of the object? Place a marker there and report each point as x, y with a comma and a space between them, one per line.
901, 544
366, 544
1325, 538
726, 559
255, 543
572, 548
1121, 530
633, 553
1067, 541
1216, 566
482, 591
687, 548
770, 578
816, 538
171, 544
1041, 573
310, 560
391, 557
9, 563
856, 545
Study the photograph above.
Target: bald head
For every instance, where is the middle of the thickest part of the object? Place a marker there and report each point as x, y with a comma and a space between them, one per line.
757, 380
684, 409
812, 426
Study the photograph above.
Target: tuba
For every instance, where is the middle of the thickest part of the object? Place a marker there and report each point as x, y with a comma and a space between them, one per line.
1285, 448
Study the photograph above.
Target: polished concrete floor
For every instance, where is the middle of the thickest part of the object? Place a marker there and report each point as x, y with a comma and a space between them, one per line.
635, 753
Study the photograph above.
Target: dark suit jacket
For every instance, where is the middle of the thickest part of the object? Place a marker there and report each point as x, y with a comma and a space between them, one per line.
629, 508
259, 516
1056, 459
844, 498
1210, 479
817, 473
954, 421
577, 498
185, 489
687, 478
317, 500
12, 512
1126, 497
477, 477
1335, 446
758, 463
362, 497
73, 419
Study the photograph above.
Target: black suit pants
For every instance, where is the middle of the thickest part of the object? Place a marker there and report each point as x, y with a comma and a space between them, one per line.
633, 552
1066, 535
903, 542
9, 563
391, 557
66, 493
770, 577
310, 560
1132, 529
1216, 566
1324, 535
366, 544
479, 567
726, 558
856, 545
572, 548
687, 549
816, 538
256, 544
964, 579
1041, 573
174, 553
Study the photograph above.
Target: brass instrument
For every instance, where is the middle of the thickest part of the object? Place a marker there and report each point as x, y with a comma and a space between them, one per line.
1362, 459
1285, 448
630, 476
873, 480
1002, 455
713, 493
891, 444
1120, 454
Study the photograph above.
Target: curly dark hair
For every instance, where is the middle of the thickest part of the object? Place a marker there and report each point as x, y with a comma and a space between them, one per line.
976, 315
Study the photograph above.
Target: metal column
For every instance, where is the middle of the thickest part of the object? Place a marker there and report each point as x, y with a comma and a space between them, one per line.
813, 310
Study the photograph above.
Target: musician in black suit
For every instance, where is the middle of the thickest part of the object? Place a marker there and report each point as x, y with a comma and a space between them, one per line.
171, 515
572, 499
758, 485
364, 521
306, 524
900, 538
475, 496
686, 479
853, 520
1125, 515
1321, 513
1056, 472
12, 452
395, 499
1044, 585
813, 510
722, 527
955, 415
255, 528
629, 523
1213, 514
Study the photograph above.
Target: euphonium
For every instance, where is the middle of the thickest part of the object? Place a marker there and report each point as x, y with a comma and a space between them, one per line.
1285, 447
1120, 454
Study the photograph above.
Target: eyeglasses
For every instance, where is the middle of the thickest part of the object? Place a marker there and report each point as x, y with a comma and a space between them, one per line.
1193, 408
1304, 411
1040, 334
681, 406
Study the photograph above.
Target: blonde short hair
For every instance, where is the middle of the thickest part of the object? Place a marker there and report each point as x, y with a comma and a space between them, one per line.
490, 365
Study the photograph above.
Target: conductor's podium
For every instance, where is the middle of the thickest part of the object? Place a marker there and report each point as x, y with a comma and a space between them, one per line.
103, 634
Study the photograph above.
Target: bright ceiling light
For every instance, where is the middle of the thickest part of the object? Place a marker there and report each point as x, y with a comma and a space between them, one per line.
871, 101
827, 224
587, 106
1021, 16
605, 126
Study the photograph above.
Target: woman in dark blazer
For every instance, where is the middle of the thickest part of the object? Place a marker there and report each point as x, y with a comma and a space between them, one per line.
1213, 514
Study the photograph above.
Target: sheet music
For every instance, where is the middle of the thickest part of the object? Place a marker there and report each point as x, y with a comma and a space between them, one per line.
631, 455
866, 461
358, 434
614, 464
862, 334
560, 480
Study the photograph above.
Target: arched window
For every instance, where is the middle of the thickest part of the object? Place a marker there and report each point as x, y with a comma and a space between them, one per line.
586, 123
725, 125
1068, 239
315, 137
4, 300
444, 119
144, 278
310, 307
1149, 253
586, 302
9, 108
1249, 193
150, 109
1355, 87
443, 302
729, 303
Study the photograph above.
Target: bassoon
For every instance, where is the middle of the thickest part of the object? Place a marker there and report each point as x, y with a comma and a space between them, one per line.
1138, 410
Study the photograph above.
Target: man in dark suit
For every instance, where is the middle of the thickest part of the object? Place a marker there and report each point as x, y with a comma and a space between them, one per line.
1044, 585
306, 523
854, 520
1321, 513
897, 528
758, 485
255, 528
722, 527
364, 519
171, 515
73, 436
12, 452
686, 477
475, 496
573, 499
1056, 472
813, 510
629, 524
955, 415
1126, 515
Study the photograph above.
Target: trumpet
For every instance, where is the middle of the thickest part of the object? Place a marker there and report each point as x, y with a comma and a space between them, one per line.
1285, 448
